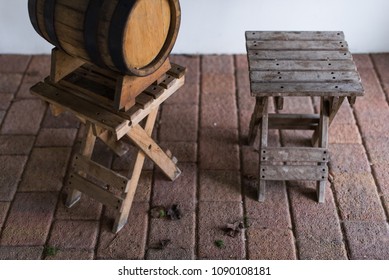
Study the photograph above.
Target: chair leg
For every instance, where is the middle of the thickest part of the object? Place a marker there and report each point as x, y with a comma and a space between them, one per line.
323, 143
122, 217
263, 144
88, 144
255, 120
261, 190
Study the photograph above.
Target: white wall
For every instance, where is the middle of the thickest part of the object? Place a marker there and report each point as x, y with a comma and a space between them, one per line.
217, 26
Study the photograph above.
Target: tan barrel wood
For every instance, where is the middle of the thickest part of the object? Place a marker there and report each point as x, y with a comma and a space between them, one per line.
149, 32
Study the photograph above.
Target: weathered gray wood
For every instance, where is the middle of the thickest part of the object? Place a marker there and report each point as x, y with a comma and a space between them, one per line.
255, 120
306, 89
293, 172
98, 193
298, 55
86, 149
294, 35
297, 45
291, 65
304, 76
263, 144
335, 104
279, 102
109, 177
323, 142
295, 154
293, 121
309, 64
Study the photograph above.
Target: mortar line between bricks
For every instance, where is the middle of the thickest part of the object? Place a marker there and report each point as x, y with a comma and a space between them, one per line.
197, 203
288, 200
337, 206
59, 192
243, 193
148, 223
373, 172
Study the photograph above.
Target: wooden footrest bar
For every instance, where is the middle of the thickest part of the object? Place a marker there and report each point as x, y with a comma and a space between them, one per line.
295, 154
83, 164
294, 121
293, 172
95, 191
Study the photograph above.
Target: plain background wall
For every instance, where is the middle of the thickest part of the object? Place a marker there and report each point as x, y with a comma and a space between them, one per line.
217, 26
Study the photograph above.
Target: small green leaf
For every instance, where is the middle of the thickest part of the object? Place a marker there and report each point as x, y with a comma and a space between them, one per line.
219, 243
50, 251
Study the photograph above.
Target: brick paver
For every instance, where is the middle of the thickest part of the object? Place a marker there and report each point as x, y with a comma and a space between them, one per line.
11, 168
29, 219
20, 253
45, 169
70, 254
23, 117
317, 226
358, 198
213, 242
130, 243
74, 234
368, 240
13, 63
16, 144
205, 125
56, 137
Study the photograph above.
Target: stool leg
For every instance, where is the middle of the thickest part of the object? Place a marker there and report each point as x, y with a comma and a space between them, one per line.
88, 143
263, 144
255, 120
335, 104
323, 143
122, 218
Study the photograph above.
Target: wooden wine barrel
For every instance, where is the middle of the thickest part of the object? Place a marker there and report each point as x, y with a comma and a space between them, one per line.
133, 37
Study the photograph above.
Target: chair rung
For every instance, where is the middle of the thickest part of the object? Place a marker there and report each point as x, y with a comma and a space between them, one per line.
295, 154
113, 179
294, 121
91, 189
293, 172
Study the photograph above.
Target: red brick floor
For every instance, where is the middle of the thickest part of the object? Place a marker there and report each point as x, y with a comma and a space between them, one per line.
205, 124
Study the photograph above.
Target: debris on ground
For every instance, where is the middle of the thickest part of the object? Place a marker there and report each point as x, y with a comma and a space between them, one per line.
219, 244
158, 212
162, 244
172, 213
234, 229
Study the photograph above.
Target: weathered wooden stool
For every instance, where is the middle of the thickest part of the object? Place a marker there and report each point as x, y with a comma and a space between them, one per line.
288, 64
112, 106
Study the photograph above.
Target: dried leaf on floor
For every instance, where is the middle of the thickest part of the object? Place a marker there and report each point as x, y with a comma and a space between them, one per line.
234, 229
174, 212
162, 244
158, 212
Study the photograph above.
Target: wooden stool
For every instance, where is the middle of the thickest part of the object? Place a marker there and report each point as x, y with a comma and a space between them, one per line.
94, 96
287, 64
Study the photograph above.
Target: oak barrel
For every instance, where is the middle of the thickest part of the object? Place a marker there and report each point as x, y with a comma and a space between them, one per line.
133, 37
